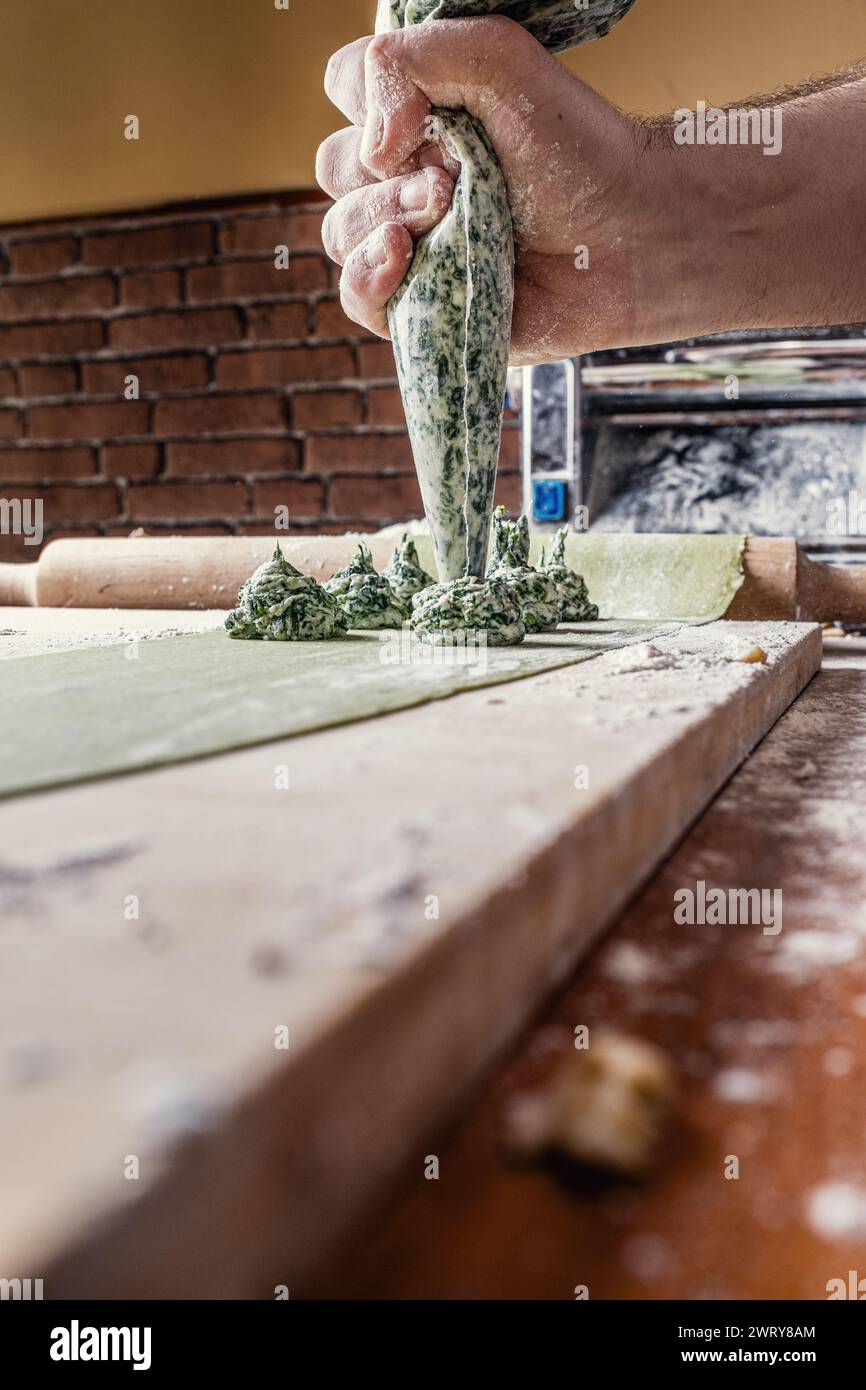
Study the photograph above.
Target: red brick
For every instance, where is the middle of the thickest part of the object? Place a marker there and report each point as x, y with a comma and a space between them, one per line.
45, 380
235, 280
71, 533
377, 362
300, 231
184, 241
509, 451
281, 366
8, 383
150, 289
35, 339
376, 499
169, 528
65, 506
186, 501
34, 465
303, 528
15, 548
88, 420
357, 453
42, 257
11, 426
508, 493
202, 327
305, 498
232, 457
278, 321
322, 410
48, 299
386, 406
154, 374
331, 322
129, 460
219, 415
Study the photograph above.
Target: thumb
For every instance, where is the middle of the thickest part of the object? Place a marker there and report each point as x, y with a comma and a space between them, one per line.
476, 64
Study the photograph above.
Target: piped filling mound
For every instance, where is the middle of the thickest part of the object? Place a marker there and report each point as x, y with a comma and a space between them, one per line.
535, 593
404, 573
571, 588
279, 604
462, 610
366, 599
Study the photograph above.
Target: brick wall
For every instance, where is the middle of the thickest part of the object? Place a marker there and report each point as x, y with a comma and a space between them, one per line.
255, 391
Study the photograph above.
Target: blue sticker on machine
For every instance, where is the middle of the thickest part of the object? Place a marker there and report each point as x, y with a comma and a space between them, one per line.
548, 500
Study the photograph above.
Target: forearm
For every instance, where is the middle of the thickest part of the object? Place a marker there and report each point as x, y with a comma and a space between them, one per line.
746, 240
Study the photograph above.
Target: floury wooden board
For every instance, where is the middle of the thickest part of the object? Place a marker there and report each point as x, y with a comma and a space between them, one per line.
72, 716
401, 909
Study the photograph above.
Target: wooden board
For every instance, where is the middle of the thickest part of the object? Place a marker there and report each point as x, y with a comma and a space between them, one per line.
767, 1039
152, 1037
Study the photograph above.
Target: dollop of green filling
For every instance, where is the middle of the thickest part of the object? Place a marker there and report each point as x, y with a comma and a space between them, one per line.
571, 588
365, 598
461, 610
279, 604
534, 592
404, 573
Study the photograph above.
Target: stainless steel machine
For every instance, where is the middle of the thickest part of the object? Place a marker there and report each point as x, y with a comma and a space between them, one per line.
764, 433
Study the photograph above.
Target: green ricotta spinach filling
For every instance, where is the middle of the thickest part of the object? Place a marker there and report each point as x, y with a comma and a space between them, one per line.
450, 320
534, 592
570, 587
404, 573
279, 604
450, 323
365, 598
557, 24
461, 611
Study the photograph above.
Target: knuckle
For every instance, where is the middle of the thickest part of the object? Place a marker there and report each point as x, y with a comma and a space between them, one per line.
381, 46
501, 28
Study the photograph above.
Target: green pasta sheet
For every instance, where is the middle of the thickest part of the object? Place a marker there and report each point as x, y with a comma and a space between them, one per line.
661, 577
70, 717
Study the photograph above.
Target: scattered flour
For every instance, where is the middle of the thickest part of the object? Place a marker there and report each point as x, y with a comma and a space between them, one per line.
629, 964
837, 1211
839, 1061
744, 1087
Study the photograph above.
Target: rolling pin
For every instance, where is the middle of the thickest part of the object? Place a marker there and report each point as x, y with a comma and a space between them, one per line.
780, 581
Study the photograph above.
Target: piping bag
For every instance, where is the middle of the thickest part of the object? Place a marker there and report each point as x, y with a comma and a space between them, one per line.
450, 320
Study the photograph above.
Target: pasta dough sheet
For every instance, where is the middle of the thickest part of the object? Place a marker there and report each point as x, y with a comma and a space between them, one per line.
651, 577
77, 715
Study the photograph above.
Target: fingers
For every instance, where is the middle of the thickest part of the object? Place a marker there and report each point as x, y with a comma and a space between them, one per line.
478, 64
338, 163
372, 275
340, 170
344, 81
416, 202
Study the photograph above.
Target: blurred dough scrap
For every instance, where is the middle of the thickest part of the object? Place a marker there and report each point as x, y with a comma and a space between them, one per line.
570, 587
366, 599
534, 592
404, 573
604, 1107
279, 604
447, 614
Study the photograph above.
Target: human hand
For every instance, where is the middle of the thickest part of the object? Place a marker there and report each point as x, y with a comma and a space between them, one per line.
575, 169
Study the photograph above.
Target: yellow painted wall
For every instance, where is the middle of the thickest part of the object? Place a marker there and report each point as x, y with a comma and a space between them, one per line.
229, 91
